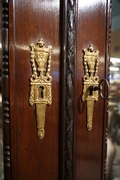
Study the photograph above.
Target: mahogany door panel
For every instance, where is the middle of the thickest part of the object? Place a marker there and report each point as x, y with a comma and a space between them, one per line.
32, 158
68, 151
91, 29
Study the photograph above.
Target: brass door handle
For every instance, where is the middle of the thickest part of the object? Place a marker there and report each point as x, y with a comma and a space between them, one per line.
91, 82
40, 83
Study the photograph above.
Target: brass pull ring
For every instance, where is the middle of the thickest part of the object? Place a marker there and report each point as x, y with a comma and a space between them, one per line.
101, 88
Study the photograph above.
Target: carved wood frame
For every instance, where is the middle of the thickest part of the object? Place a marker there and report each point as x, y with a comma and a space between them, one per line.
68, 29
5, 90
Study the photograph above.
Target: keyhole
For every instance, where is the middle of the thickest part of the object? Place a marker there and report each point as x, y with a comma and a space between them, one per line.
91, 92
41, 89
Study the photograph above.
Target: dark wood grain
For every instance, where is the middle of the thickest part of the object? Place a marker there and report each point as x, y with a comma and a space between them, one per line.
63, 26
68, 151
33, 158
90, 150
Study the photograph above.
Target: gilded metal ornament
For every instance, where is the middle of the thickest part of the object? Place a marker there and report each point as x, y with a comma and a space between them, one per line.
90, 82
40, 82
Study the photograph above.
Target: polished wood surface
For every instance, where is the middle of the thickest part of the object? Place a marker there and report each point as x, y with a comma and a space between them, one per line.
91, 29
68, 151
32, 158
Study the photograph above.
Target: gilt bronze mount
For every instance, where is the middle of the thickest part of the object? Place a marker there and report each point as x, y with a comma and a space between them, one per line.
90, 82
40, 82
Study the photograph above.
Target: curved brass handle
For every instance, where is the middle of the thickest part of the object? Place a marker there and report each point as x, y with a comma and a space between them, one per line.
91, 82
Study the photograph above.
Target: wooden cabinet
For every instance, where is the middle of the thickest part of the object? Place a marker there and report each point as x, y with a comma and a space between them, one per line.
68, 150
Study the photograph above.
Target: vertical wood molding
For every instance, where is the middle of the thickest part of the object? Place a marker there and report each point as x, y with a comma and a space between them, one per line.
70, 76
107, 64
5, 89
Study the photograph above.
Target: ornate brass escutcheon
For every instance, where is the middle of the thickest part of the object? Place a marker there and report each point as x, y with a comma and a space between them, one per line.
40, 82
90, 82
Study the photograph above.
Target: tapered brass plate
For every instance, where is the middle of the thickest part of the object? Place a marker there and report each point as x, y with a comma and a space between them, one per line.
90, 79
40, 82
